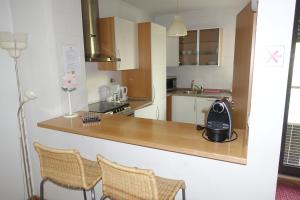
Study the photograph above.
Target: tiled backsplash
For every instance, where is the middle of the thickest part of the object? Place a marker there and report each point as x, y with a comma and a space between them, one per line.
207, 76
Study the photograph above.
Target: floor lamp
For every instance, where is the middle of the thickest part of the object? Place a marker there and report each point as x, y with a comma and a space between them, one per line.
14, 43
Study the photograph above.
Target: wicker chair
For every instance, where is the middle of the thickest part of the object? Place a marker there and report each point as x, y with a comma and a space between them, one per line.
126, 183
67, 169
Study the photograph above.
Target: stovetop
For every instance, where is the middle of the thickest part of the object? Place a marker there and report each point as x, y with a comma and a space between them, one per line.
105, 107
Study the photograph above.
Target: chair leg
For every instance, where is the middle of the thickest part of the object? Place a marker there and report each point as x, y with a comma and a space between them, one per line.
42, 189
93, 197
183, 194
103, 197
84, 194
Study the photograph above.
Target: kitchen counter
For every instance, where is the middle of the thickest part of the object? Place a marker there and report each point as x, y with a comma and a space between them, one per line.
169, 136
136, 104
181, 92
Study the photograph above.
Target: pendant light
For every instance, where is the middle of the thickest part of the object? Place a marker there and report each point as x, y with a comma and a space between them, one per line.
177, 28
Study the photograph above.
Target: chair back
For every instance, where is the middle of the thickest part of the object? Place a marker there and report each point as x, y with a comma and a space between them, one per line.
63, 167
127, 183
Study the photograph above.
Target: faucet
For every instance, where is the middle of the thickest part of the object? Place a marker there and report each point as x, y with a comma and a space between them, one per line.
192, 84
196, 87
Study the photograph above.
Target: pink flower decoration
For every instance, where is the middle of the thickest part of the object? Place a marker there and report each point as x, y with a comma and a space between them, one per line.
69, 82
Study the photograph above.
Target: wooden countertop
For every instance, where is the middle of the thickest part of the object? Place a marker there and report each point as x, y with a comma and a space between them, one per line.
169, 136
136, 104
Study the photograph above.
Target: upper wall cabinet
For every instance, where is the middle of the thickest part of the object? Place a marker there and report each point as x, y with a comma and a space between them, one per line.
199, 47
119, 39
209, 47
188, 51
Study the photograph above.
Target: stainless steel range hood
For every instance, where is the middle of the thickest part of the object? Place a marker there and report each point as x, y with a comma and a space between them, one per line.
90, 15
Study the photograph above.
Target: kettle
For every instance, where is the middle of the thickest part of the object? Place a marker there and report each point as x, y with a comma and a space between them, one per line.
123, 93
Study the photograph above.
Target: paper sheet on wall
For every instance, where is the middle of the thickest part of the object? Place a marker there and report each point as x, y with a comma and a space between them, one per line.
71, 57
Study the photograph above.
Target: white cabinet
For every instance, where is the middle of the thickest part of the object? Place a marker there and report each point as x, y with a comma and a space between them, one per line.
190, 109
172, 51
149, 112
162, 109
155, 111
202, 106
184, 109
126, 37
118, 39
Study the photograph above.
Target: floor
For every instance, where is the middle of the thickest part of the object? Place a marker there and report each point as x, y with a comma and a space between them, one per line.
286, 191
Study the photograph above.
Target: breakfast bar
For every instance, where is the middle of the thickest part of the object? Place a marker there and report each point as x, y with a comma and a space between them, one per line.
175, 137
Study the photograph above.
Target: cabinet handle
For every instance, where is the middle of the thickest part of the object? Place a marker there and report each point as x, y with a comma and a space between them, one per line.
157, 113
118, 56
194, 105
153, 93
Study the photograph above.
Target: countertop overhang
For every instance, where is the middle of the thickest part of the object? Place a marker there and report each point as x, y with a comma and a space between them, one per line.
169, 136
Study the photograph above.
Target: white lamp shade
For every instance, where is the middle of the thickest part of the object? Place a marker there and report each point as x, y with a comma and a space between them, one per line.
177, 28
13, 43
30, 95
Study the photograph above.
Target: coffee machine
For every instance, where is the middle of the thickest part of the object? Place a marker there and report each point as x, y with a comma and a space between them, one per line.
219, 121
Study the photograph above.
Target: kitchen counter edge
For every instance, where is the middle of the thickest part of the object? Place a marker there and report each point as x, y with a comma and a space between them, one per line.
169, 136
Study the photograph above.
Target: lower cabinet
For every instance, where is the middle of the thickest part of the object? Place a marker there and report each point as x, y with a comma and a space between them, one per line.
184, 109
154, 111
190, 109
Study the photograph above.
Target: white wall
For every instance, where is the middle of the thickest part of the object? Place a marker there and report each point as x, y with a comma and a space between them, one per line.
108, 8
208, 76
11, 173
50, 24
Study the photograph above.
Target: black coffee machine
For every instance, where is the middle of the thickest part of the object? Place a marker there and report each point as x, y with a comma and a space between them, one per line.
219, 121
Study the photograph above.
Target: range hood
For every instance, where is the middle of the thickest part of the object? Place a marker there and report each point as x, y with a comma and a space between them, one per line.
90, 15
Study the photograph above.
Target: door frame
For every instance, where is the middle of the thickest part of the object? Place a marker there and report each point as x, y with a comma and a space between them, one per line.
287, 170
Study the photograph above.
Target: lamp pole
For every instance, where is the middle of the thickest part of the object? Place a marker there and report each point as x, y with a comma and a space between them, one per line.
23, 140
14, 43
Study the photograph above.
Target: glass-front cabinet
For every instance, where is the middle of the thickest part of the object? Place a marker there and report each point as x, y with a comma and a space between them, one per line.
200, 47
209, 43
188, 51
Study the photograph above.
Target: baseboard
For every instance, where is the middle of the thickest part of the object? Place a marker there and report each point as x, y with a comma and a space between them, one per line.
289, 180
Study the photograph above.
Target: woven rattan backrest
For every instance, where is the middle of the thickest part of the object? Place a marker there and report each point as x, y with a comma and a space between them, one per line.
126, 183
63, 167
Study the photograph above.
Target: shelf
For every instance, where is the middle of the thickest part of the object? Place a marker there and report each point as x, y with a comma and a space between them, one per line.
193, 42
193, 54
209, 42
183, 64
208, 54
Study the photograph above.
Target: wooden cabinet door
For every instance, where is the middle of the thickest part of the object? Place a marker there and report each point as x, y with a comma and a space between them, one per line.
183, 109
169, 108
242, 74
139, 81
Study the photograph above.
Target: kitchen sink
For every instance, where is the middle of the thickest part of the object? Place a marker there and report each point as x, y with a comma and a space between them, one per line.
192, 92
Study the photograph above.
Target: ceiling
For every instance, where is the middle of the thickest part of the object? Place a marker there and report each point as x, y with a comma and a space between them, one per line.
170, 6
